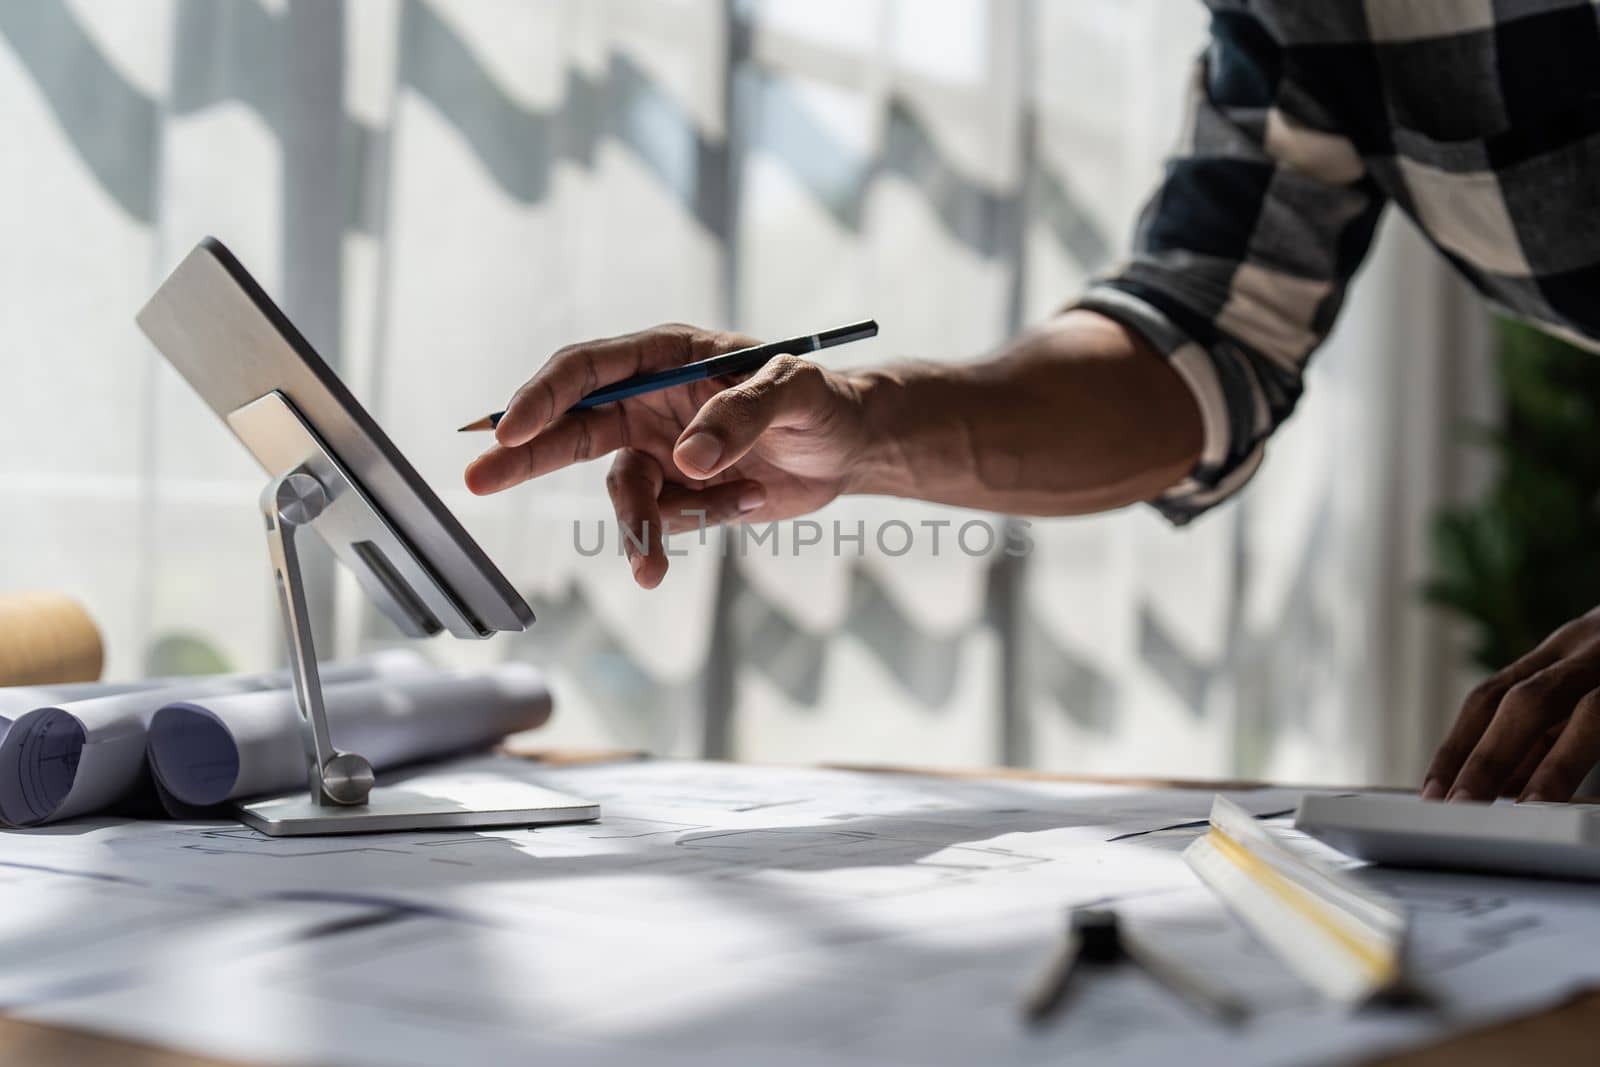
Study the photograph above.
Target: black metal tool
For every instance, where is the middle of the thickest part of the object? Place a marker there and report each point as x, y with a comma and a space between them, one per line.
1095, 939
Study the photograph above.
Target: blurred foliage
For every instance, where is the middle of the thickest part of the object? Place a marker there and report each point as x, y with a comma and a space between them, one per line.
181, 653
1525, 557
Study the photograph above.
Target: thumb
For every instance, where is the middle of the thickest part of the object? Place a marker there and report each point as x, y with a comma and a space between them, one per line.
787, 390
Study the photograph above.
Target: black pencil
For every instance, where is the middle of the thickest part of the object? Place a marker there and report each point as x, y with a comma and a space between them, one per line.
742, 361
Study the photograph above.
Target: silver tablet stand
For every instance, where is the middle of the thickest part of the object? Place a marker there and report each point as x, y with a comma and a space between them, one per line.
311, 489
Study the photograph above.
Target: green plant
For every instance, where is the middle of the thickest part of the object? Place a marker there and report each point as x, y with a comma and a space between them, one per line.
1525, 557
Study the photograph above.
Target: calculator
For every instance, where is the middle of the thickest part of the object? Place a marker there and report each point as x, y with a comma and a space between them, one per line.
1555, 840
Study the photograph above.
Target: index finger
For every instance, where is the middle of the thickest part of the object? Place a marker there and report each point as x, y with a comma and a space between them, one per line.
578, 370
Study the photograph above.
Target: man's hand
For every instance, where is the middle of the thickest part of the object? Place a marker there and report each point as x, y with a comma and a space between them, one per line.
1074, 416
779, 443
1532, 730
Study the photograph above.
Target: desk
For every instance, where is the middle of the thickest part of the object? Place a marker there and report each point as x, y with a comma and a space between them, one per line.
1562, 1034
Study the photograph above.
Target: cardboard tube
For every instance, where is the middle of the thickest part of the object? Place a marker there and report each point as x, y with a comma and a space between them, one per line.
47, 639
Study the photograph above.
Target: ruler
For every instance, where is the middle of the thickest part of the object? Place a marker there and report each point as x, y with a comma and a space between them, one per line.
1345, 939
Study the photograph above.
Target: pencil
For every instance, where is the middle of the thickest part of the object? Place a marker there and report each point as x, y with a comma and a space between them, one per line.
743, 361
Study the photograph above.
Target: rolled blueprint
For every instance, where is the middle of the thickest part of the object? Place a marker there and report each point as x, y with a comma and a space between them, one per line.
207, 751
17, 699
74, 757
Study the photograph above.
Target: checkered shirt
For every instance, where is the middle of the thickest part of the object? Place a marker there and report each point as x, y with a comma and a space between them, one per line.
1480, 119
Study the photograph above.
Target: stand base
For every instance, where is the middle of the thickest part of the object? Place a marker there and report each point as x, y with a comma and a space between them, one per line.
442, 802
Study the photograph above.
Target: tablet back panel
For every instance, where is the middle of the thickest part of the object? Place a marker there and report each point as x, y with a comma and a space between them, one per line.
221, 331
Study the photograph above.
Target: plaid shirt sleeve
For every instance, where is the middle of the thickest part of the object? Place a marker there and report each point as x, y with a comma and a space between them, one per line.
1242, 256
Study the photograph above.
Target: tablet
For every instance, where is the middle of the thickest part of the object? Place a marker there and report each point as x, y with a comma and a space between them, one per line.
229, 340
1559, 840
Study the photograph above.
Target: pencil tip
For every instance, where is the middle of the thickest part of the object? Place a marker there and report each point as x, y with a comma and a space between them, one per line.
485, 423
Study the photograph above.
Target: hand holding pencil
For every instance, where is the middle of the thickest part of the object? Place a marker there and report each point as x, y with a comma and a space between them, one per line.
768, 435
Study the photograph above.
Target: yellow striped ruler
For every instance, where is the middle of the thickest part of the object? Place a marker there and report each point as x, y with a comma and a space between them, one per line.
1345, 939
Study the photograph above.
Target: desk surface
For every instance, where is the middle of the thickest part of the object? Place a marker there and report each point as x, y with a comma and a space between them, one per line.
1565, 1033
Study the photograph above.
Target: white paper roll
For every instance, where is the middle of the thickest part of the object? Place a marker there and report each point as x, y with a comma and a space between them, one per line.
75, 757
226, 747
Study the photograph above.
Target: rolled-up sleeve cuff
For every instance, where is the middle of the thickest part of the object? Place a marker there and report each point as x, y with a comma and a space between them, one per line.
1230, 452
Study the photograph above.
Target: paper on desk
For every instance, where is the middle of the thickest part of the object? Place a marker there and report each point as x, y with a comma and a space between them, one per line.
63, 935
698, 846
793, 959
74, 757
205, 751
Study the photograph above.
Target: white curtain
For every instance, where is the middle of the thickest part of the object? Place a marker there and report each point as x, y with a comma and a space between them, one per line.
441, 193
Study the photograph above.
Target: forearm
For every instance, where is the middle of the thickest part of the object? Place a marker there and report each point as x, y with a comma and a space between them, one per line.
1076, 416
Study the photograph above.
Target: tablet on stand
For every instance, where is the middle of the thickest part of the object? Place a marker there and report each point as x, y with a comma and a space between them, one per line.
331, 470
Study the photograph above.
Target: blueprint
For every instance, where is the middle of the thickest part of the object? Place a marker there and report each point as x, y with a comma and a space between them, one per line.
738, 914
79, 749
205, 751
66, 935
